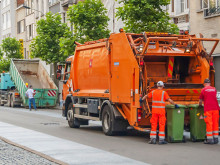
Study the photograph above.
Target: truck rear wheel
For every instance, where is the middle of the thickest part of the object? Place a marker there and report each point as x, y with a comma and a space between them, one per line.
107, 121
72, 121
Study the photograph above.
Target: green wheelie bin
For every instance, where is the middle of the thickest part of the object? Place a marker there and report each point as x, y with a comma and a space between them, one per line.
197, 123
175, 123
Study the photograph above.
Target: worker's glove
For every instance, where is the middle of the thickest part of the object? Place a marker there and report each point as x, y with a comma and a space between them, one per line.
140, 100
176, 106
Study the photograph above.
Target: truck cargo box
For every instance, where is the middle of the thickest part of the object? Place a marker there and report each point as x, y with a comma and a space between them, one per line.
34, 73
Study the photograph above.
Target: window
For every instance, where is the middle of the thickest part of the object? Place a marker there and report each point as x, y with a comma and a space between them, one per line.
182, 5
37, 8
52, 2
6, 20
64, 17
42, 7
29, 3
67, 71
204, 4
5, 3
30, 32
209, 3
20, 26
212, 3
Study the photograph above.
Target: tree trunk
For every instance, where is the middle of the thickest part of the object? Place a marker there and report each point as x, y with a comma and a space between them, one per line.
55, 75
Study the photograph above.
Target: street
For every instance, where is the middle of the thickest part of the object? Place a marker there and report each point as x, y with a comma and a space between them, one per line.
132, 148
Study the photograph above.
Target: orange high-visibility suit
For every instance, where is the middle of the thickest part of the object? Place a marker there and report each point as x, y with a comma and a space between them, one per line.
211, 109
158, 112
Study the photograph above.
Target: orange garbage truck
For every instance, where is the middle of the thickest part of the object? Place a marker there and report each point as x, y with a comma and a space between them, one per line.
105, 79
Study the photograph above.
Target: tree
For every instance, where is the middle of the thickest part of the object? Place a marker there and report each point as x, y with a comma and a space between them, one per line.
67, 44
89, 20
4, 65
11, 48
46, 44
145, 15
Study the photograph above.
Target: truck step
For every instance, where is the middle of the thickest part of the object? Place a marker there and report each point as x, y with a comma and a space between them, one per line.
80, 105
86, 117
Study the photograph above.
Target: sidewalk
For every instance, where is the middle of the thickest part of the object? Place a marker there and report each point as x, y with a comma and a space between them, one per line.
60, 149
11, 154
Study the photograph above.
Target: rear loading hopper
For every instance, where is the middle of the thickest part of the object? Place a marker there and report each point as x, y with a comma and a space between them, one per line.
34, 73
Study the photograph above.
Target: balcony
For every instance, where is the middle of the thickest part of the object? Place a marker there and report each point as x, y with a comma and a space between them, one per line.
66, 3
212, 12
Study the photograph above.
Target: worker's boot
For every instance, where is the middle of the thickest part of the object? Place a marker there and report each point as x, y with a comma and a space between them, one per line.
162, 142
215, 140
209, 141
152, 141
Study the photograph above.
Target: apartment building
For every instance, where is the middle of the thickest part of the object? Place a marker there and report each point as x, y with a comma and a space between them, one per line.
114, 24
179, 14
7, 17
205, 19
61, 7
28, 12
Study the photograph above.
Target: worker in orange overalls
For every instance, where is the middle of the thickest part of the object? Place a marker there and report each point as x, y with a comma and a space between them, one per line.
158, 112
211, 112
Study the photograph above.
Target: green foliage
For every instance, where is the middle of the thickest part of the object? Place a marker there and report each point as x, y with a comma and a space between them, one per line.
4, 65
89, 20
46, 45
1, 53
11, 48
145, 15
67, 45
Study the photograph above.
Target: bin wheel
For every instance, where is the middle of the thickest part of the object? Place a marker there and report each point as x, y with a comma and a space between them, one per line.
170, 139
72, 121
107, 121
193, 139
184, 139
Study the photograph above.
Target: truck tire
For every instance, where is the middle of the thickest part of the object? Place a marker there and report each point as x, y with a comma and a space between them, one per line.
72, 121
107, 121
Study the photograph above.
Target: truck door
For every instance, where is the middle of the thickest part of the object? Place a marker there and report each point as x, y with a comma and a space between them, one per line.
66, 80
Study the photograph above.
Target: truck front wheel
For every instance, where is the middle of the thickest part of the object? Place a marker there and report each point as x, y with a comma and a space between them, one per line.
72, 121
107, 121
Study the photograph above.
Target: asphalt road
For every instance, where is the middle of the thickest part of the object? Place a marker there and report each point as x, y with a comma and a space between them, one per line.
133, 145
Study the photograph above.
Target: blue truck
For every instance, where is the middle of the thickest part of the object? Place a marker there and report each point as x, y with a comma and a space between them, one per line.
8, 93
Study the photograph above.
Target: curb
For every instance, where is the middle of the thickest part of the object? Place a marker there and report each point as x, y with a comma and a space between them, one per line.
34, 152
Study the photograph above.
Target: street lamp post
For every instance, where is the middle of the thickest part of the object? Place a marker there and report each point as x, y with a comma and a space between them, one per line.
27, 7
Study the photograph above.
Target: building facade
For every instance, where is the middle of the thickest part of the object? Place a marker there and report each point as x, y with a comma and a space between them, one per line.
205, 19
114, 24
179, 14
7, 17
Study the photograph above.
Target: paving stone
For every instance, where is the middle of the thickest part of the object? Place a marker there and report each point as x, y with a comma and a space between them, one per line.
12, 155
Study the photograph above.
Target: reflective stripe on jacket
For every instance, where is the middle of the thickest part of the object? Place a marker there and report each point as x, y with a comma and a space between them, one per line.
158, 101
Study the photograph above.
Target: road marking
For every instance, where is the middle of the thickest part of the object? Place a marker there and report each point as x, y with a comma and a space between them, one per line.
60, 149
